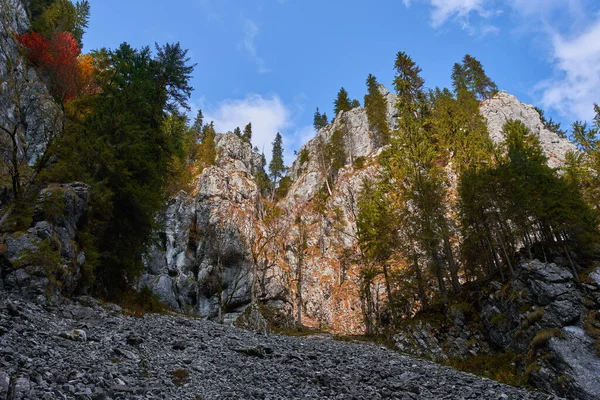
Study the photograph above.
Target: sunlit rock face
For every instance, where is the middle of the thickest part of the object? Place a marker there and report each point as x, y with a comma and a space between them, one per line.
222, 219
504, 107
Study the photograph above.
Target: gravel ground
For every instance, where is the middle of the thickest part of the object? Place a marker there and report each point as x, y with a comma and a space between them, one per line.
80, 350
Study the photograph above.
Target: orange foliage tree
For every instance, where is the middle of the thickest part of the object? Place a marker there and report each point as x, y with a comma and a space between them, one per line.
68, 74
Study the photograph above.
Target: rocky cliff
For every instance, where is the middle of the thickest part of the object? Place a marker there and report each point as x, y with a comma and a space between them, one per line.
222, 218
45, 260
30, 118
543, 317
206, 259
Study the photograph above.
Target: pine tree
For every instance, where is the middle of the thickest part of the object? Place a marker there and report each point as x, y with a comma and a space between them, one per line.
342, 102
550, 124
207, 153
376, 108
247, 135
319, 120
336, 152
197, 126
128, 154
354, 104
407, 82
471, 76
237, 132
276, 166
377, 228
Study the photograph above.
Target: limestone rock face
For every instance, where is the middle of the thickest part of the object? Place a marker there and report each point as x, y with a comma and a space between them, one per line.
541, 314
202, 254
26, 107
504, 107
45, 260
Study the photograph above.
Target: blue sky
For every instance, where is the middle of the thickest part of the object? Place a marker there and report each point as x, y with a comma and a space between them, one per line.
272, 62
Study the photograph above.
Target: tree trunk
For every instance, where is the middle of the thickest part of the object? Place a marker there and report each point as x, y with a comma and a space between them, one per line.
388, 289
451, 264
420, 283
437, 265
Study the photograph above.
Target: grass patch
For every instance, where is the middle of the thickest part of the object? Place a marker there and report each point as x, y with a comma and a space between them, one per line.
359, 162
382, 340
591, 325
180, 377
501, 367
543, 337
498, 319
138, 304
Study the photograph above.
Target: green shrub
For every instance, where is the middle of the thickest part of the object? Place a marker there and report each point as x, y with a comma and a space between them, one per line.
140, 303
304, 156
359, 162
284, 187
501, 367
544, 336
498, 319
44, 255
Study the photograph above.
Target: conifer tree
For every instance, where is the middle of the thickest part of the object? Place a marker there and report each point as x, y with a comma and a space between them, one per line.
336, 151
471, 76
407, 82
342, 102
247, 135
207, 151
376, 108
550, 124
354, 104
276, 166
197, 126
237, 132
320, 120
128, 153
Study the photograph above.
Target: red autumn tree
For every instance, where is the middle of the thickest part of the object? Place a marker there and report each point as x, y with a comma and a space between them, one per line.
57, 59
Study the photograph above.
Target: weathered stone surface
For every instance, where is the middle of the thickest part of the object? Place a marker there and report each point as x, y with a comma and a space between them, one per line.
504, 107
4, 385
47, 252
206, 237
576, 362
25, 104
542, 299
214, 362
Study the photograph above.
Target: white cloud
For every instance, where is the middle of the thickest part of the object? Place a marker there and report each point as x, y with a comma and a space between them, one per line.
571, 28
251, 31
268, 116
576, 84
458, 10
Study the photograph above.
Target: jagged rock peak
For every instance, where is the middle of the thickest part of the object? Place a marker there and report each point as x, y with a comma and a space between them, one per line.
504, 107
235, 154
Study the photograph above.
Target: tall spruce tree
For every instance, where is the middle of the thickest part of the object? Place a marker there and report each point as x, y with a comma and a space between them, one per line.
342, 102
128, 154
319, 120
276, 166
376, 108
247, 135
471, 76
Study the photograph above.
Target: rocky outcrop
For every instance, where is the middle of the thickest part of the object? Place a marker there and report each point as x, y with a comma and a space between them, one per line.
174, 357
45, 260
542, 314
27, 110
202, 257
222, 217
504, 107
